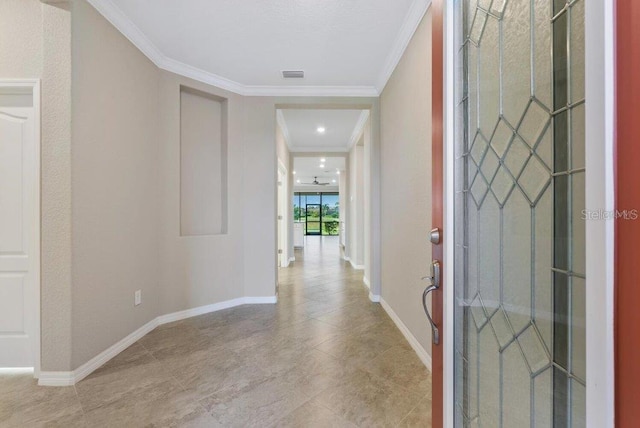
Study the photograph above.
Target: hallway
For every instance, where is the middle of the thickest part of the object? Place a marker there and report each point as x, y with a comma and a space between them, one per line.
323, 356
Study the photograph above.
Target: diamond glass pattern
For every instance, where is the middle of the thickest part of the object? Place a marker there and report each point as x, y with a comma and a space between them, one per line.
518, 66
501, 137
478, 148
533, 123
534, 179
502, 185
517, 156
533, 349
489, 165
501, 328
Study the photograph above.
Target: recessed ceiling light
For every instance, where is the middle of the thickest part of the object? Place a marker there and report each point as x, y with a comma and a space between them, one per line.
333, 181
294, 173
297, 181
323, 160
321, 129
338, 172
321, 165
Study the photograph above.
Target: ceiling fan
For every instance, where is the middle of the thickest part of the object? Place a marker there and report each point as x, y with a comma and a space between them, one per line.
316, 182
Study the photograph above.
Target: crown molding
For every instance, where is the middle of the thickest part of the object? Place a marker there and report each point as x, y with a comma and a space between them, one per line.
200, 75
310, 91
358, 129
414, 16
118, 19
132, 32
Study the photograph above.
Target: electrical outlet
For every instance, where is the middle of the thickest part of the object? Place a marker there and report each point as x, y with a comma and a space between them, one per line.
137, 297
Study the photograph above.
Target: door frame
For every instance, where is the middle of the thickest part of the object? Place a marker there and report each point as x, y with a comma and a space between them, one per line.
283, 225
599, 146
306, 219
33, 85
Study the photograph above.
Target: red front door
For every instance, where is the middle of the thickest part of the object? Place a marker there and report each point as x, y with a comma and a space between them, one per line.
627, 291
437, 202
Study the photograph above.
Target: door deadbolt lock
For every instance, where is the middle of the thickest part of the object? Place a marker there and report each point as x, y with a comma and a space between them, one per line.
434, 236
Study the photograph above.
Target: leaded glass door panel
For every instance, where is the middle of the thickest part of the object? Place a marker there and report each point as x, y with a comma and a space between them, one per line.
519, 238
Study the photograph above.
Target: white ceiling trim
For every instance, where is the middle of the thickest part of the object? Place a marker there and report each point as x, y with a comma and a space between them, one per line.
284, 128
359, 129
200, 75
122, 23
118, 19
414, 16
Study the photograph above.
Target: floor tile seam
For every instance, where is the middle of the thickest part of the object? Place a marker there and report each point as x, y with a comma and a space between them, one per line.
328, 293
333, 412
337, 309
339, 360
391, 379
328, 323
164, 366
356, 338
408, 413
388, 382
209, 396
84, 413
276, 423
332, 281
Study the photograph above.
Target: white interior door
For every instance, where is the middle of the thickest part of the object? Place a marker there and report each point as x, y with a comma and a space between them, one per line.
19, 227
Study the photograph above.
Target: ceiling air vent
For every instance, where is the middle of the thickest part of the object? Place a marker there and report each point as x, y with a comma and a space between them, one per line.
293, 74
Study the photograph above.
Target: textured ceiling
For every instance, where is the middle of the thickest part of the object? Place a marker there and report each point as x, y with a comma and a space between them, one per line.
301, 129
307, 168
344, 47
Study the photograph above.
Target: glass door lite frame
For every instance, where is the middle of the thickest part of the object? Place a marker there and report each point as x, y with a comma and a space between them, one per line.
312, 232
599, 47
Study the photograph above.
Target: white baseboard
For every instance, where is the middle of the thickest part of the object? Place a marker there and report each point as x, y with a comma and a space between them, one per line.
292, 259
200, 310
422, 353
72, 377
366, 282
260, 300
56, 378
355, 266
374, 297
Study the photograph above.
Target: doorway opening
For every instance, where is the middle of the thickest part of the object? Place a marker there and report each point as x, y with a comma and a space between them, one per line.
328, 153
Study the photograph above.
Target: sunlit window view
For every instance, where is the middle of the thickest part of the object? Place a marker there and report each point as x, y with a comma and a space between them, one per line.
318, 212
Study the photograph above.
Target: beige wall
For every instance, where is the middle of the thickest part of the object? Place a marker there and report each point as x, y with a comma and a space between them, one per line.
21, 23
25, 53
110, 130
203, 164
356, 204
405, 123
197, 270
115, 184
282, 152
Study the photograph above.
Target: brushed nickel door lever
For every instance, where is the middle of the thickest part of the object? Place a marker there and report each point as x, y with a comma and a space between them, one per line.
435, 284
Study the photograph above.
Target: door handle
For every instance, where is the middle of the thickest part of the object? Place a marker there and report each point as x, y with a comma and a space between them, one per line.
435, 284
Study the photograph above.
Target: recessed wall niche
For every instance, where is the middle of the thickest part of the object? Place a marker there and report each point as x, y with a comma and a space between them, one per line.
203, 163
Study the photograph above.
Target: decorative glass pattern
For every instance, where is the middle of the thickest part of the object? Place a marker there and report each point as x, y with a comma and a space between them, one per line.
519, 256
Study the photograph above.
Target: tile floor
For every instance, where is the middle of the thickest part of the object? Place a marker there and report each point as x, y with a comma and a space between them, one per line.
324, 356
